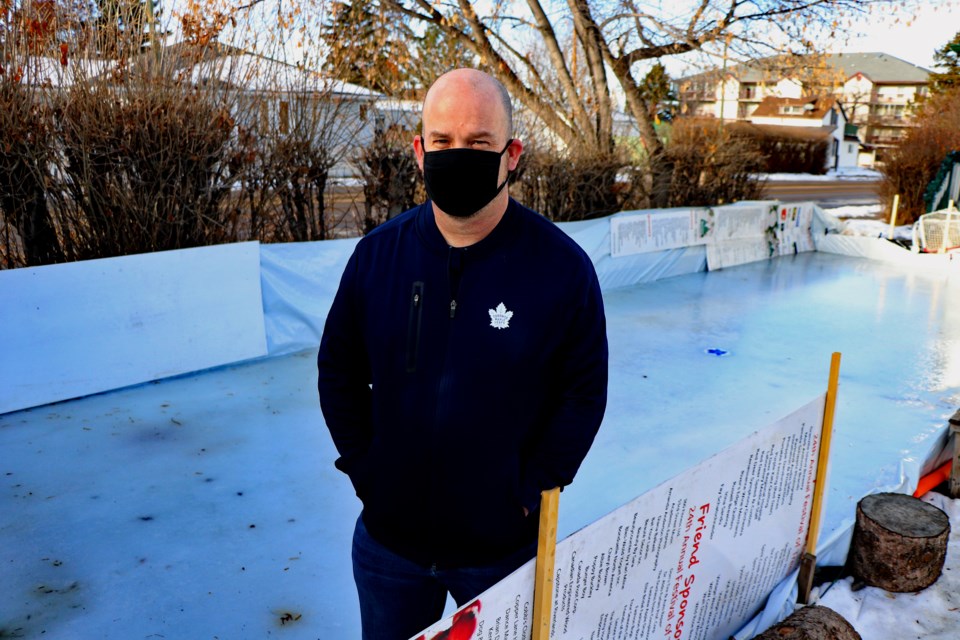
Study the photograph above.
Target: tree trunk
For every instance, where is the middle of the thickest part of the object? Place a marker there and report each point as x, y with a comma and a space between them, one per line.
40, 243
812, 623
899, 542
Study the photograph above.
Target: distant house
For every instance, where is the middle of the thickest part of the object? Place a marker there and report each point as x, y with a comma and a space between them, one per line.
820, 118
877, 91
278, 98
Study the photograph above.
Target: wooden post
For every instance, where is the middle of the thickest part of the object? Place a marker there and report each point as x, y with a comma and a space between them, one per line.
946, 229
546, 558
893, 216
807, 565
955, 468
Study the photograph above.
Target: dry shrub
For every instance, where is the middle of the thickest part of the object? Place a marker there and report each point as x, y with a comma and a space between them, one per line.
296, 171
711, 165
27, 232
145, 167
788, 154
916, 160
576, 184
391, 178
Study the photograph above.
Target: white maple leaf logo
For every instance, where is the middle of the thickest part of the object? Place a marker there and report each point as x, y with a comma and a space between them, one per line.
500, 317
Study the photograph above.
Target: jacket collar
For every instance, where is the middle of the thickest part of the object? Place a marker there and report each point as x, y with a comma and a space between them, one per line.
501, 236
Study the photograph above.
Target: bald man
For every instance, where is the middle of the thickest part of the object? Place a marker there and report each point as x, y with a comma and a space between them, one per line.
462, 370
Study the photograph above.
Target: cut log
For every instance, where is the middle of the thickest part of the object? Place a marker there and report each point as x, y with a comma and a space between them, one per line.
899, 542
812, 623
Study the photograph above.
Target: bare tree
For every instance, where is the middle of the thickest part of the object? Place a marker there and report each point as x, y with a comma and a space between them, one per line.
591, 47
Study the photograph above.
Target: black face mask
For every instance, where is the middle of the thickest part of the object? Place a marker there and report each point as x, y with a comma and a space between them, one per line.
462, 181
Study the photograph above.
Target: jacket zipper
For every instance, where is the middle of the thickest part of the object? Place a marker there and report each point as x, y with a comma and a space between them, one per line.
413, 326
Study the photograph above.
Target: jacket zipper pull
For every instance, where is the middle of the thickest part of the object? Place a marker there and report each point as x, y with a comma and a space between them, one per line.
453, 308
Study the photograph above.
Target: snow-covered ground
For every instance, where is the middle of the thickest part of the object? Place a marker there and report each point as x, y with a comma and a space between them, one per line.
207, 506
869, 211
931, 614
849, 173
868, 220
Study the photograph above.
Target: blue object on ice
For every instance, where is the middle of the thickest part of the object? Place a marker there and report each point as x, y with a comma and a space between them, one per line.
717, 352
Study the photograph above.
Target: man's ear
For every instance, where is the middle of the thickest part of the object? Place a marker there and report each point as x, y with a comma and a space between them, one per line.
513, 154
418, 151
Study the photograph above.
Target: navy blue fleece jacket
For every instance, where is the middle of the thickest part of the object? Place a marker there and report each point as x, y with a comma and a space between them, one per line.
459, 383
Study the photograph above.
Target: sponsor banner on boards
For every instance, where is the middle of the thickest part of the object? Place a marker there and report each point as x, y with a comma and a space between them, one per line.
693, 558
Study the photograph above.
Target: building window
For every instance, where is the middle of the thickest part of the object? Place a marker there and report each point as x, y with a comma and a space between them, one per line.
284, 117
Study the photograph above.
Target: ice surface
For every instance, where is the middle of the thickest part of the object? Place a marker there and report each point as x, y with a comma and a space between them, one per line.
207, 506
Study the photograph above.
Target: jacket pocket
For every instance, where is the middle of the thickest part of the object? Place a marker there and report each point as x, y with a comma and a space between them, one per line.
413, 326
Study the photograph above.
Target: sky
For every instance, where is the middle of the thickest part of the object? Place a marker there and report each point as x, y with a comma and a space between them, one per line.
912, 34
914, 40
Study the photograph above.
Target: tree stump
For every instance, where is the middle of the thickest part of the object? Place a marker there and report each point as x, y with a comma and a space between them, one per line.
899, 542
812, 623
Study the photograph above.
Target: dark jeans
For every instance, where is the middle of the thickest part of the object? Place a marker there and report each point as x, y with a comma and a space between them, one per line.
399, 598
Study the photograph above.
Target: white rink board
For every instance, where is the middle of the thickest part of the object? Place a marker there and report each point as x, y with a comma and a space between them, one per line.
658, 230
84, 327
793, 228
692, 559
741, 233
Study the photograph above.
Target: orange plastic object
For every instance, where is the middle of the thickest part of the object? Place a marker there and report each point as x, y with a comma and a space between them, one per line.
933, 479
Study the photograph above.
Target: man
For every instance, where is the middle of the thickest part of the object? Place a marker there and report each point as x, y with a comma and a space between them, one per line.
462, 370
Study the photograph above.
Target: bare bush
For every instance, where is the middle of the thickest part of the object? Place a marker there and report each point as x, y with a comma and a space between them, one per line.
145, 167
916, 160
27, 231
789, 150
576, 184
711, 165
391, 178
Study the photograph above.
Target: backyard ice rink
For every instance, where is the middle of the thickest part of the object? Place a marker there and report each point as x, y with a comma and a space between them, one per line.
207, 505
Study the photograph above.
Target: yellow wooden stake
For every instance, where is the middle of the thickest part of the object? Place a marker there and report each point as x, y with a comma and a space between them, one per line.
546, 559
807, 565
893, 216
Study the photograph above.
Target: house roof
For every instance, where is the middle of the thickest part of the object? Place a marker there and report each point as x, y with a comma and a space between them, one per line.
784, 131
813, 108
254, 72
881, 68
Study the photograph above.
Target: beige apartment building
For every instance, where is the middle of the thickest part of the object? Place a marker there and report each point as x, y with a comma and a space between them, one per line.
878, 92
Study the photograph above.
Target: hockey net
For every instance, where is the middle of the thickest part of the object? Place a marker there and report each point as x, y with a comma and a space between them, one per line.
937, 232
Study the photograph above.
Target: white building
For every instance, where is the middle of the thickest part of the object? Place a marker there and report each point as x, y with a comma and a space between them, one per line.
878, 92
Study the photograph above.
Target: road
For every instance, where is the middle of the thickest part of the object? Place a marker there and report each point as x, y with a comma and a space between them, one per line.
828, 194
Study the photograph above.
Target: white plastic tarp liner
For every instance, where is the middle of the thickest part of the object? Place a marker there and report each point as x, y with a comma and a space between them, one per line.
885, 251
299, 281
84, 327
690, 559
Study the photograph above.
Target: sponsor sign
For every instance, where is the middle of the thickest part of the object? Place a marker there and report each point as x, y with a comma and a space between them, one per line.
693, 559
